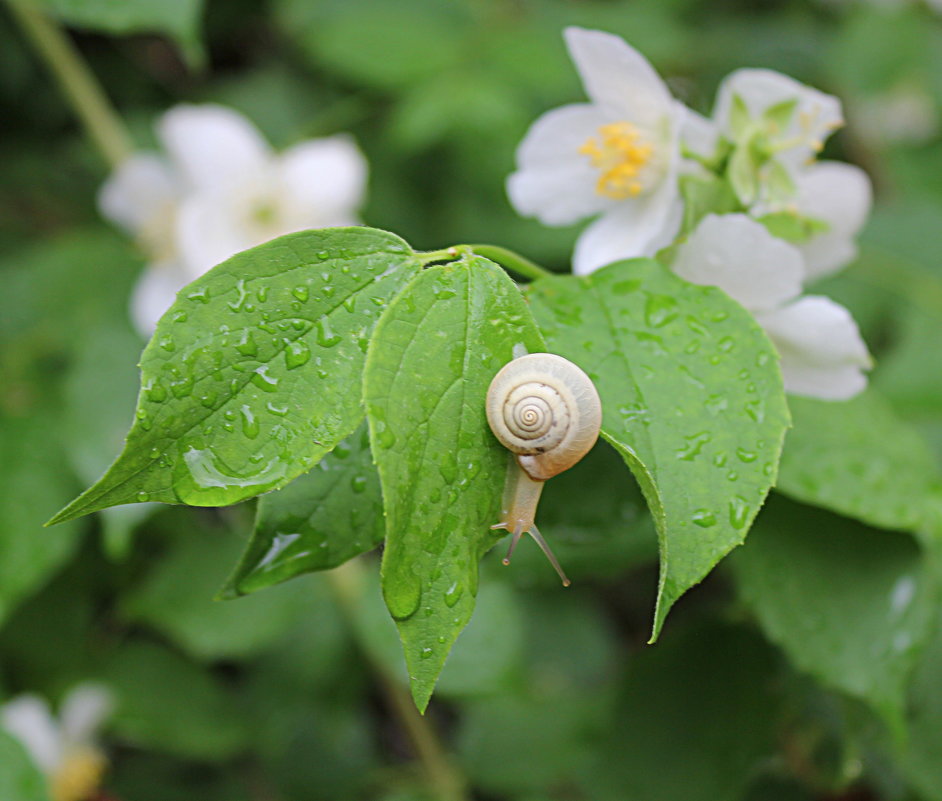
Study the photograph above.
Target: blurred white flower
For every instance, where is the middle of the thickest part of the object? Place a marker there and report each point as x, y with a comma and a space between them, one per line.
792, 119
839, 196
221, 189
617, 156
65, 749
903, 114
822, 353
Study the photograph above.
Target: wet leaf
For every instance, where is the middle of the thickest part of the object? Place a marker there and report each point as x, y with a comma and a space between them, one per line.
691, 397
434, 354
859, 459
850, 605
319, 521
254, 373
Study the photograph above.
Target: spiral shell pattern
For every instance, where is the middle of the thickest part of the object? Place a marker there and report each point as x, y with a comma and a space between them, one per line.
546, 410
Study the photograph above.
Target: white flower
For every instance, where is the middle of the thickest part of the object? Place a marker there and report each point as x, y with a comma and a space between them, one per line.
221, 189
796, 134
617, 156
822, 353
64, 750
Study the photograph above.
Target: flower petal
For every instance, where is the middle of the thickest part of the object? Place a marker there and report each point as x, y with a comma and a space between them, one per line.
28, 718
841, 195
139, 192
154, 293
83, 711
699, 134
322, 182
816, 116
822, 353
213, 146
212, 227
740, 256
554, 182
617, 77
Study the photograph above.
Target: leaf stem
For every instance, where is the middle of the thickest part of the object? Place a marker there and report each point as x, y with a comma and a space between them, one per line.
75, 79
448, 783
509, 260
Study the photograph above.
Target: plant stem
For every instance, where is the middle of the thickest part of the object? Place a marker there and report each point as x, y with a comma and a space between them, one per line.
510, 260
346, 582
81, 89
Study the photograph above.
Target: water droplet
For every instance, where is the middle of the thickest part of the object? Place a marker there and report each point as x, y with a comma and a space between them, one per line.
264, 381
695, 443
154, 453
425, 653
142, 496
453, 594
726, 344
167, 344
183, 387
237, 304
279, 411
200, 295
326, 337
358, 484
297, 353
719, 459
762, 359
715, 404
349, 303
246, 344
301, 293
323, 255
179, 317
250, 425
625, 287
659, 310
738, 512
262, 294
704, 518
745, 456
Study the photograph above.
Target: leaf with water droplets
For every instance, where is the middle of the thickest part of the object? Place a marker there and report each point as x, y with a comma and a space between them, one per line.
435, 351
691, 397
859, 459
848, 604
319, 521
253, 385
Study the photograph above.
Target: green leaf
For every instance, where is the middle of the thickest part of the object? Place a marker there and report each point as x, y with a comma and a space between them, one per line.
176, 599
705, 194
850, 605
433, 356
254, 373
319, 521
33, 471
703, 700
166, 703
691, 397
859, 459
178, 19
20, 779
920, 760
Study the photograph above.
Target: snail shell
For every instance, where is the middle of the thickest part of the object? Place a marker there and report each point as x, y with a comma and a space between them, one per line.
546, 410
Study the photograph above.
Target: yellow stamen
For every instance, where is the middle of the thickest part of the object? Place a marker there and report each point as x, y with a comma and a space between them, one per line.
79, 775
620, 156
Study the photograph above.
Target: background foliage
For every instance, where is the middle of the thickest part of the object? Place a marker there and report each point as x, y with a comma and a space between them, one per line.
807, 667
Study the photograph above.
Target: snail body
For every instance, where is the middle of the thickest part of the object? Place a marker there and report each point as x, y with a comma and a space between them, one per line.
546, 411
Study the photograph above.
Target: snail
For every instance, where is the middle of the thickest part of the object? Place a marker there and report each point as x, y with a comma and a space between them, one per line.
547, 412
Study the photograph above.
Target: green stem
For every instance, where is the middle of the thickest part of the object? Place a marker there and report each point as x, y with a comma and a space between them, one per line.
509, 260
448, 784
76, 81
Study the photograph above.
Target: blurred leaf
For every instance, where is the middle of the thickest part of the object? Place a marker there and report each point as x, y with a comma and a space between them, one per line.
691, 397
95, 421
176, 598
178, 19
702, 700
319, 521
389, 44
225, 413
920, 761
857, 458
34, 475
169, 704
537, 740
850, 605
20, 780
437, 348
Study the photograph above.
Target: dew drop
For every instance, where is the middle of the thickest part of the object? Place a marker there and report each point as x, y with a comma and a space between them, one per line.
358, 484
704, 518
659, 310
326, 337
246, 344
301, 293
296, 354
738, 512
250, 425
142, 496
453, 594
264, 381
